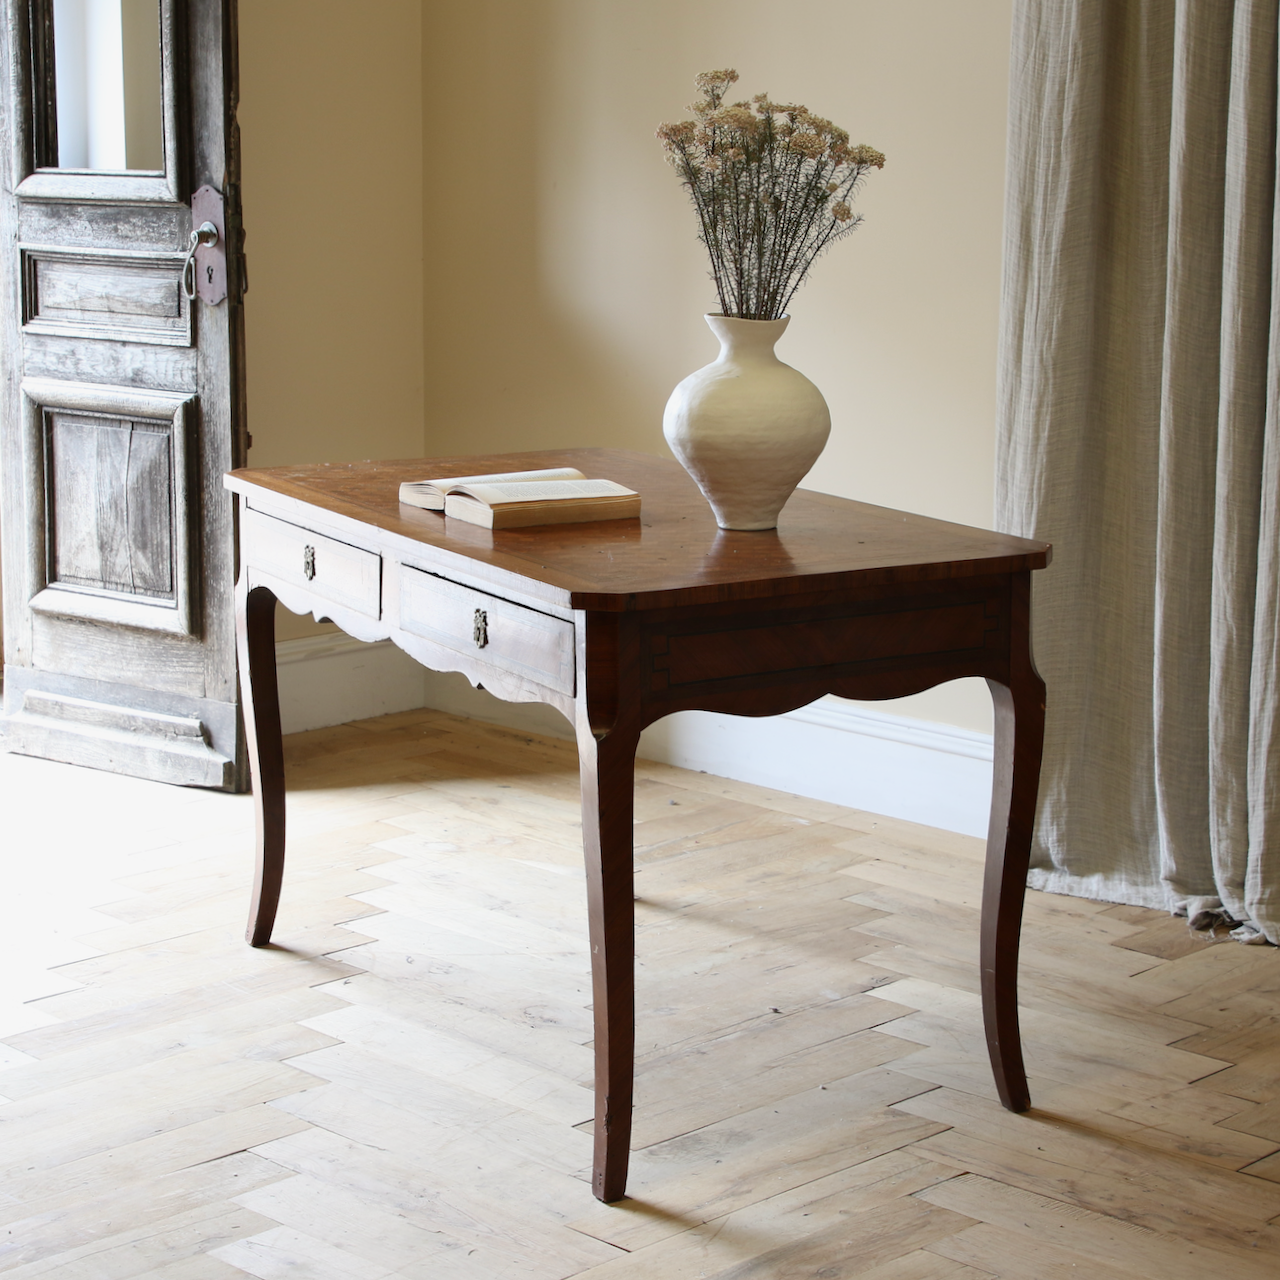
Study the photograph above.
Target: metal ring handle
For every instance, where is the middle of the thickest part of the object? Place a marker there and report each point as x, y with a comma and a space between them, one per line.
205, 234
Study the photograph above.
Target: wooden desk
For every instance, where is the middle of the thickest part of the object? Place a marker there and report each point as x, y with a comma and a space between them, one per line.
621, 623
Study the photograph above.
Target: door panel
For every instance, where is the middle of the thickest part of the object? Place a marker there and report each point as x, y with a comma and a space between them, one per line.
112, 521
112, 363
123, 400
109, 498
111, 293
136, 227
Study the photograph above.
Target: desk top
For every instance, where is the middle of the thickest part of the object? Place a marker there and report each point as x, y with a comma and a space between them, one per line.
674, 554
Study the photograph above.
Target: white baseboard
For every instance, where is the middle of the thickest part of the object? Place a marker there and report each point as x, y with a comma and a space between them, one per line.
331, 679
918, 770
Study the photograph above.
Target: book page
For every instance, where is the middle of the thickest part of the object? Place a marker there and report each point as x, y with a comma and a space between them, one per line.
494, 495
443, 483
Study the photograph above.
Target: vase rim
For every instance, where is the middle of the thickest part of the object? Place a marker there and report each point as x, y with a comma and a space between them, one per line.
720, 315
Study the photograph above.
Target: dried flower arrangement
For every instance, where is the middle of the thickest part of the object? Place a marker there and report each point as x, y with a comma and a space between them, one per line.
773, 188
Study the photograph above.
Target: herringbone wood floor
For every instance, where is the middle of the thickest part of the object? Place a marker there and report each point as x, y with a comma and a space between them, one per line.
395, 1090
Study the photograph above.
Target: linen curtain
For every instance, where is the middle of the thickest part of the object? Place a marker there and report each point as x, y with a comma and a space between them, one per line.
1138, 432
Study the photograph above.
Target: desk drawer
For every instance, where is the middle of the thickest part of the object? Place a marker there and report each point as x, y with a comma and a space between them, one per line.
757, 648
323, 567
509, 637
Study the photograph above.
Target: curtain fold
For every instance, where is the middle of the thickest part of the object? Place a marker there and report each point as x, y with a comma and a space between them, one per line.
1138, 432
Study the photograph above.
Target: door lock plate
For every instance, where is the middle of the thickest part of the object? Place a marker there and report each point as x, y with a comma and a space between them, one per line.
207, 205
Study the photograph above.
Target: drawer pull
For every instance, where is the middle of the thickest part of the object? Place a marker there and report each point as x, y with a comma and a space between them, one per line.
332, 571
484, 633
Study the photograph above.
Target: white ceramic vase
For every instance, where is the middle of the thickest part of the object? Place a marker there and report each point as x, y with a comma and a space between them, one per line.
747, 427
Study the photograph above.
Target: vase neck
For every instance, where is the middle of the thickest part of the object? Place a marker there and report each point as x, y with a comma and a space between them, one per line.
747, 339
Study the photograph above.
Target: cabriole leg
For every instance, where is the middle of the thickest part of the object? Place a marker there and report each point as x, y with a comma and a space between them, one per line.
1019, 741
260, 704
608, 778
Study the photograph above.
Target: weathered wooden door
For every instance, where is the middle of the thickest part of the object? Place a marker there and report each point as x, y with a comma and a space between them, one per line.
122, 397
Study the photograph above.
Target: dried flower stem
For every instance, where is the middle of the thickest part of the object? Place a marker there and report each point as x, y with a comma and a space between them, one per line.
772, 185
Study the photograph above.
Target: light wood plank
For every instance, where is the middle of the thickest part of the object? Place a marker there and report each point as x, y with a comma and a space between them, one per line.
147, 1248
1113, 1002
486, 1213
66, 1186
750, 1236
85, 1119
293, 1255
1153, 1189
1102, 1050
143, 1202
1134, 1250
997, 1251
1158, 1124
246, 1023
354, 1226
857, 1245
714, 1171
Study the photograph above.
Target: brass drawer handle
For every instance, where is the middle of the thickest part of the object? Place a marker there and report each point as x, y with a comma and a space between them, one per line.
308, 563
480, 629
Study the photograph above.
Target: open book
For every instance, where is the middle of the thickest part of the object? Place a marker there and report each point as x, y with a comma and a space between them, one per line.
516, 499
429, 494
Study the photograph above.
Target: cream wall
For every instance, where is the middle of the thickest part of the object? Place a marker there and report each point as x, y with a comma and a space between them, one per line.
565, 286
463, 236
331, 140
